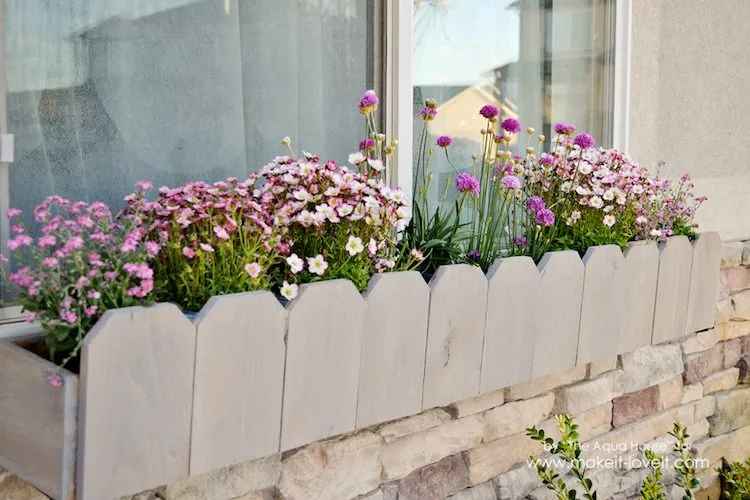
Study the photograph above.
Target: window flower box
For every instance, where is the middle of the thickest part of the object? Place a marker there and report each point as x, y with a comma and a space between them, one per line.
160, 397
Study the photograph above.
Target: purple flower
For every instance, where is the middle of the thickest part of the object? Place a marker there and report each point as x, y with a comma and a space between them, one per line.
55, 381
428, 113
565, 128
444, 141
545, 217
366, 145
519, 241
466, 182
489, 111
369, 102
511, 125
474, 255
584, 141
511, 182
535, 204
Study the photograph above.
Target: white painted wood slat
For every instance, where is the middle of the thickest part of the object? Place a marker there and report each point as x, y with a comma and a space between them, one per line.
557, 313
672, 289
642, 265
324, 340
393, 347
239, 376
602, 304
136, 396
509, 329
455, 335
704, 281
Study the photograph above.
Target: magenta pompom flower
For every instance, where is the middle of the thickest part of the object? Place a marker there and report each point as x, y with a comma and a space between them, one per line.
444, 141
511, 125
366, 145
428, 113
565, 128
535, 204
511, 182
489, 111
519, 241
369, 102
584, 141
545, 217
465, 182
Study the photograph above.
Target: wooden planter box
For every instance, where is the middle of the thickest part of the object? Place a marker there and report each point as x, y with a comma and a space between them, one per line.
160, 397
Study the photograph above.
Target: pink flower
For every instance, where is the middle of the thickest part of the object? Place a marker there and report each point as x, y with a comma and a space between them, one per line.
93, 295
221, 233
188, 252
47, 240
465, 182
428, 113
444, 141
69, 317
511, 125
90, 311
565, 128
21, 240
55, 381
152, 248
511, 182
144, 185
489, 111
253, 269
584, 141
49, 262
74, 242
206, 247
13, 212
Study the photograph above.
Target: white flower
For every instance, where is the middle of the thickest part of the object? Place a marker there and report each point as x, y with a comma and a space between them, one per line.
301, 195
655, 233
375, 164
289, 291
354, 245
583, 190
596, 202
609, 195
608, 209
305, 218
344, 210
641, 220
609, 220
372, 247
286, 141
638, 189
253, 270
566, 186
585, 168
357, 158
317, 265
295, 263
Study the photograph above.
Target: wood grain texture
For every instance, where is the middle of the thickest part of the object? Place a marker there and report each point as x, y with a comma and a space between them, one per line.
37, 421
672, 289
324, 342
239, 377
455, 335
558, 313
509, 328
642, 270
137, 370
602, 303
704, 281
393, 348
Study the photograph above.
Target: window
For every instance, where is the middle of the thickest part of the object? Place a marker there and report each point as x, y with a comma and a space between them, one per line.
542, 61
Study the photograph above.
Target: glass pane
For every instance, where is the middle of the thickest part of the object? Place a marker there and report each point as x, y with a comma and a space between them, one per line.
542, 61
102, 93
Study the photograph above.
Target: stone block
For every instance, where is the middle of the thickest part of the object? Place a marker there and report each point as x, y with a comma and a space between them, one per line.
434, 482
374, 495
712, 448
631, 407
516, 416
583, 396
602, 366
732, 352
741, 306
704, 407
412, 425
516, 483
692, 392
647, 366
670, 393
496, 457
732, 411
698, 429
733, 329
710, 487
13, 487
229, 482
744, 365
702, 364
721, 381
739, 445
404, 455
483, 491
724, 309
700, 341
544, 384
735, 279
746, 253
732, 255
477, 404
332, 469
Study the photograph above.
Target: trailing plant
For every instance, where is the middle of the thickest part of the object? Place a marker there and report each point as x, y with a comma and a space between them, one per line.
82, 263
736, 480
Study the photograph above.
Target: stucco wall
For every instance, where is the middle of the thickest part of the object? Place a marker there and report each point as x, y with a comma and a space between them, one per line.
690, 100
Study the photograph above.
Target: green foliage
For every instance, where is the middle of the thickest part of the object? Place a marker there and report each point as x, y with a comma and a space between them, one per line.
652, 488
736, 480
685, 464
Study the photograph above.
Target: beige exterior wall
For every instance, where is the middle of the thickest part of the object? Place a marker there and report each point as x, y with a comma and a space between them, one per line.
690, 100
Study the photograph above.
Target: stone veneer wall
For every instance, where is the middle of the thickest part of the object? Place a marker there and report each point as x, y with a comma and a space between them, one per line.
477, 449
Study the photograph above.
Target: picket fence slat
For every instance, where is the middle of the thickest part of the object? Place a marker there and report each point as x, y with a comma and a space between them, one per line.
509, 329
239, 376
37, 421
136, 396
602, 303
642, 265
704, 280
324, 339
458, 297
672, 289
557, 313
391, 373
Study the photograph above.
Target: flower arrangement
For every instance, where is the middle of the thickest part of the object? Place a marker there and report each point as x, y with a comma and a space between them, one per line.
82, 263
